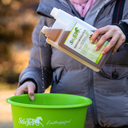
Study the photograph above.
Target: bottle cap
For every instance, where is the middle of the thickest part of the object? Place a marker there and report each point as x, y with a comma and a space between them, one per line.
54, 12
44, 29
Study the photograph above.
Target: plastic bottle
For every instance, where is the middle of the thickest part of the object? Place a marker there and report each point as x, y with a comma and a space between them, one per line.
72, 36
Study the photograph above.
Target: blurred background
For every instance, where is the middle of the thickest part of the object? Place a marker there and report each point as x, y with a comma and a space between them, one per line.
17, 21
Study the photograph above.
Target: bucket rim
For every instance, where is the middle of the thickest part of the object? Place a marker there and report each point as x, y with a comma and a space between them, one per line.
89, 102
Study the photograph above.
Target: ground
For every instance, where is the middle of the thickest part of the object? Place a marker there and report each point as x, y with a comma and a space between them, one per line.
5, 108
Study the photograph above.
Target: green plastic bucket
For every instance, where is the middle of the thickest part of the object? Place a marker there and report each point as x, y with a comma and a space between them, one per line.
49, 110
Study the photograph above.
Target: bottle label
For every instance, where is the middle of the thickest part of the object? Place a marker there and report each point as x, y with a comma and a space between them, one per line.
79, 40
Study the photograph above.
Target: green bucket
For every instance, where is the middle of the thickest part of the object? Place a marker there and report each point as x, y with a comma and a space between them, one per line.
49, 110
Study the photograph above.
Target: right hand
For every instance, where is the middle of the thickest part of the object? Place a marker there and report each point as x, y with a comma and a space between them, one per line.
112, 32
27, 87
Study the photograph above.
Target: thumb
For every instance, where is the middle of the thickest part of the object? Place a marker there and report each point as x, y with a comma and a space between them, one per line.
31, 89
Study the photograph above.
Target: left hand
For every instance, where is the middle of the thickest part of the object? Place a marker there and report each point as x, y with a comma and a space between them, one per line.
27, 87
111, 31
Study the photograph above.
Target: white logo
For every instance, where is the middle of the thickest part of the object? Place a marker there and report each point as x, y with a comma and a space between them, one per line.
31, 121
58, 122
38, 122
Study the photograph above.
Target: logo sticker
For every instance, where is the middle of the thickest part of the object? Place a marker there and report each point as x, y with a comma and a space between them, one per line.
38, 121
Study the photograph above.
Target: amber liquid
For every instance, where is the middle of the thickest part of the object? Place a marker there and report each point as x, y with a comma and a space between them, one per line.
53, 34
99, 65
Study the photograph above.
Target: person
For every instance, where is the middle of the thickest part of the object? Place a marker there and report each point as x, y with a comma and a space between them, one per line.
107, 88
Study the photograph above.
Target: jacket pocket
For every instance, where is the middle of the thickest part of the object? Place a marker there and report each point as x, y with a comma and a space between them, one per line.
111, 79
111, 95
75, 82
57, 74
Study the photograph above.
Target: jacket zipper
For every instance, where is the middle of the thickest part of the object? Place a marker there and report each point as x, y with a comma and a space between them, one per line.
92, 97
90, 85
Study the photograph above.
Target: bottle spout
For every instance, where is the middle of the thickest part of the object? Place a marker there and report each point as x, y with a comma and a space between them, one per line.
52, 34
44, 29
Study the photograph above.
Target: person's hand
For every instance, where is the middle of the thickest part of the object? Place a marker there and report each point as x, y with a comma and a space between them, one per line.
27, 87
112, 32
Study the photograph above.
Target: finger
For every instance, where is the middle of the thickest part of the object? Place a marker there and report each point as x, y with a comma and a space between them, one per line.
98, 32
31, 92
112, 42
102, 40
19, 91
119, 43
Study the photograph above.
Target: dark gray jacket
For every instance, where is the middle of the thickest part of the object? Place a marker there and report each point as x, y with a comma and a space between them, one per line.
110, 86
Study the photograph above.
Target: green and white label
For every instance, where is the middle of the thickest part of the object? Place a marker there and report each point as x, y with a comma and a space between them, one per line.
79, 40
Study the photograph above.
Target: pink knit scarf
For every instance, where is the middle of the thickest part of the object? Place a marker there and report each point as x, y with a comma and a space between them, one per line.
82, 6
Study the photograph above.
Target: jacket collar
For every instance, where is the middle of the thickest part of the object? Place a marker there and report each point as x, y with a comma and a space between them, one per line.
46, 6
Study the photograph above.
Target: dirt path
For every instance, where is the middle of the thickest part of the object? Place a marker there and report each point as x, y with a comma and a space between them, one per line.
5, 108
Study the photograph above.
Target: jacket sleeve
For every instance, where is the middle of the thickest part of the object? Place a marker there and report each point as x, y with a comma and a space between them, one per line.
33, 71
124, 27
